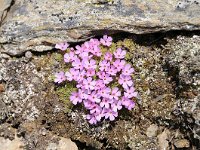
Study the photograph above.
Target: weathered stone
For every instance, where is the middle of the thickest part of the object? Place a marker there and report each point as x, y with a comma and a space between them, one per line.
184, 66
65, 143
152, 130
4, 5
38, 25
28, 54
182, 143
15, 144
163, 139
2, 88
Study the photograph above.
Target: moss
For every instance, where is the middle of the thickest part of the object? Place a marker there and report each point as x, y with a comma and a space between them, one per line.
129, 44
58, 57
64, 91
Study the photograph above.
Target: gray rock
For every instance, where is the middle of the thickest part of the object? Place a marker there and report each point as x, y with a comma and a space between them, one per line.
15, 144
184, 65
182, 143
64, 144
28, 54
185, 55
152, 130
4, 5
163, 139
38, 25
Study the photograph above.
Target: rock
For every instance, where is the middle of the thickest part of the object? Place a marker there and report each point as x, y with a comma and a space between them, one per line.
163, 140
4, 5
65, 143
185, 56
7, 144
182, 143
52, 146
28, 54
38, 25
184, 66
2, 89
152, 130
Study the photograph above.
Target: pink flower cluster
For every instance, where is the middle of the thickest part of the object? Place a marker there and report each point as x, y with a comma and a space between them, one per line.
96, 73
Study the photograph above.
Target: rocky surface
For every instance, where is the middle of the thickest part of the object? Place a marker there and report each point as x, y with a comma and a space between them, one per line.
36, 114
166, 115
15, 144
37, 25
183, 60
4, 7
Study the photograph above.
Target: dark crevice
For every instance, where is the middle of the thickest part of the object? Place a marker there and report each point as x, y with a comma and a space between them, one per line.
173, 73
83, 145
157, 39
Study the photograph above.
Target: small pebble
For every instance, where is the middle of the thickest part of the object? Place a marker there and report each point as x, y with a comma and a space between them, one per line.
2, 89
152, 130
28, 54
182, 143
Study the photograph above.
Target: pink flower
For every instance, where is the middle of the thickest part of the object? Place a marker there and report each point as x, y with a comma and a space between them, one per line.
81, 75
77, 64
119, 53
125, 81
104, 65
106, 40
99, 116
119, 64
130, 92
105, 77
86, 47
96, 51
90, 72
95, 109
84, 55
115, 93
89, 83
99, 85
116, 105
72, 74
62, 46
94, 42
101, 74
94, 97
79, 49
89, 64
112, 71
129, 104
60, 77
69, 57
95, 75
105, 102
105, 92
83, 94
110, 114
92, 119
108, 56
88, 104
75, 98
127, 70
72, 49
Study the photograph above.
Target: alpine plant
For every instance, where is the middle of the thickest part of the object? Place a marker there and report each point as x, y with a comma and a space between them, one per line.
103, 79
